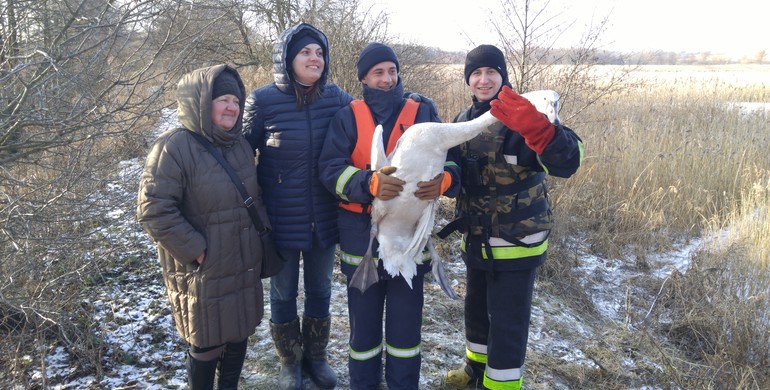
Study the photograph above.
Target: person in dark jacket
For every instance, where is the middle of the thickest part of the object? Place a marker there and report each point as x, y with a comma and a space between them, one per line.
208, 246
505, 218
286, 122
344, 170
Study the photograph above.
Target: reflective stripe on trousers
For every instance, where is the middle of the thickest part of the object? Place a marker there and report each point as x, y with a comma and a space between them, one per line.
393, 351
509, 379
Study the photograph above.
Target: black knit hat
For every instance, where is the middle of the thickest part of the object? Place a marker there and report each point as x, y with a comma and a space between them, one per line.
226, 83
373, 54
298, 41
485, 55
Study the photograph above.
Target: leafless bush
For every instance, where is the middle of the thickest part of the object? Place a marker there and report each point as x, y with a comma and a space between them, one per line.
82, 80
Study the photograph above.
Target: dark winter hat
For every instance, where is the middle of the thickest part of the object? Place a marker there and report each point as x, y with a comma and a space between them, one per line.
298, 41
224, 84
373, 54
485, 55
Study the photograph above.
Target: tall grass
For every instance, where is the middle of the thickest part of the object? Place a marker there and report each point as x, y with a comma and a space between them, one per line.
662, 161
680, 160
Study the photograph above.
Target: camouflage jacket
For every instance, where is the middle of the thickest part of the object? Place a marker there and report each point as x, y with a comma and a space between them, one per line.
503, 205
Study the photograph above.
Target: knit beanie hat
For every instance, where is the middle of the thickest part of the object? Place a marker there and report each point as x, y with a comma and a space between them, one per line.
226, 83
485, 55
373, 54
298, 41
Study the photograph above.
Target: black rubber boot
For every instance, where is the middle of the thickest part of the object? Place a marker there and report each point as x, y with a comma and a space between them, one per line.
315, 338
231, 364
200, 374
288, 344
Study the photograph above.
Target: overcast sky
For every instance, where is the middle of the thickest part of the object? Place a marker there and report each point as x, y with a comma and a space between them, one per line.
735, 27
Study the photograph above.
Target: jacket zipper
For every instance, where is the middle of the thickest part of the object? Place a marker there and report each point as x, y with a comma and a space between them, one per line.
310, 162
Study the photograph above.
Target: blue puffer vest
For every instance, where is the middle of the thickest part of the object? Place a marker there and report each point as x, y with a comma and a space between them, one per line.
289, 142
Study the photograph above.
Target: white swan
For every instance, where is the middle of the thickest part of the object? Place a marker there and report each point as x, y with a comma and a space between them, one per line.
403, 224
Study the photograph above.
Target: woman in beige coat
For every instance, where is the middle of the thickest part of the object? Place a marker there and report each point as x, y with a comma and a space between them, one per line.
207, 244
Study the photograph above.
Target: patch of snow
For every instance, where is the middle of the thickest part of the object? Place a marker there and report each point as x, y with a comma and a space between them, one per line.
607, 281
752, 107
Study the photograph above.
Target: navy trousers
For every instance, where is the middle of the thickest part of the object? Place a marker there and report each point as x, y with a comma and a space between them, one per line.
402, 308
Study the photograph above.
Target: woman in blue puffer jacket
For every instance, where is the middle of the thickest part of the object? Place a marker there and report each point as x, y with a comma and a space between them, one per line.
286, 122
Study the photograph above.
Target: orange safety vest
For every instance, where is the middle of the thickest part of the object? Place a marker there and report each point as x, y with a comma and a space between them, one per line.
362, 154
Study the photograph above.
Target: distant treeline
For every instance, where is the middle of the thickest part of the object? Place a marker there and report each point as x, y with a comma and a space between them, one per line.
606, 57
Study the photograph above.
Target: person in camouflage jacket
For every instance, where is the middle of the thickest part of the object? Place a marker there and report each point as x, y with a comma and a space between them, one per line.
504, 215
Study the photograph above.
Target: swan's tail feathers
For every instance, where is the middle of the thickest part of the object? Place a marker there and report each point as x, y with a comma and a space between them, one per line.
409, 281
396, 264
438, 272
366, 273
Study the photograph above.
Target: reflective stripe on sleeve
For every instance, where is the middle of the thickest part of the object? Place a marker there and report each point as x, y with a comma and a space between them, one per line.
342, 181
580, 146
352, 259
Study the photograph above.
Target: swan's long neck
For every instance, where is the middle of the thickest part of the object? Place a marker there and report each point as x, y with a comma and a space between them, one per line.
453, 134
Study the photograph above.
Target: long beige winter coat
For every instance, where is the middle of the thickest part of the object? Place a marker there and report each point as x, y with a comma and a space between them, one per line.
189, 205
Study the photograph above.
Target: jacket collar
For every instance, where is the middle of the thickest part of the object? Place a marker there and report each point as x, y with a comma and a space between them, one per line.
479, 108
384, 104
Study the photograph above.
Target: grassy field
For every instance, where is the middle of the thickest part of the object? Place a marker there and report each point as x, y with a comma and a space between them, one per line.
680, 154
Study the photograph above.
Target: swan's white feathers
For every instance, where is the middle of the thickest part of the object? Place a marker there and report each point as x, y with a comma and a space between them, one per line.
404, 224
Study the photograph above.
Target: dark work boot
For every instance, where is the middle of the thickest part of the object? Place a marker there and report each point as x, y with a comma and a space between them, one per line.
200, 374
315, 337
231, 364
288, 344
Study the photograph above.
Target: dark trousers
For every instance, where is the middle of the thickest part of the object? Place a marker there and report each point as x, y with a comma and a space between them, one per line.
498, 306
402, 307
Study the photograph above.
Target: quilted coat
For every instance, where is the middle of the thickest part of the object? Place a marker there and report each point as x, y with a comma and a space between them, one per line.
188, 204
289, 142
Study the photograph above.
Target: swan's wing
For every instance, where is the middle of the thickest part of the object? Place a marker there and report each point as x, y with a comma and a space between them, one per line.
422, 231
378, 158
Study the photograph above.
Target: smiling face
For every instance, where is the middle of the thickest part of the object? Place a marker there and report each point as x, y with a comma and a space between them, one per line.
308, 64
382, 76
485, 82
225, 110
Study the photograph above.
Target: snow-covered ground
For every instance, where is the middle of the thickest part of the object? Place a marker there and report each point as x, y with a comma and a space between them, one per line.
143, 350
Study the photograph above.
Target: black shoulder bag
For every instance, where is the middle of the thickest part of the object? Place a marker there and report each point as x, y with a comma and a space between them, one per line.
272, 262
